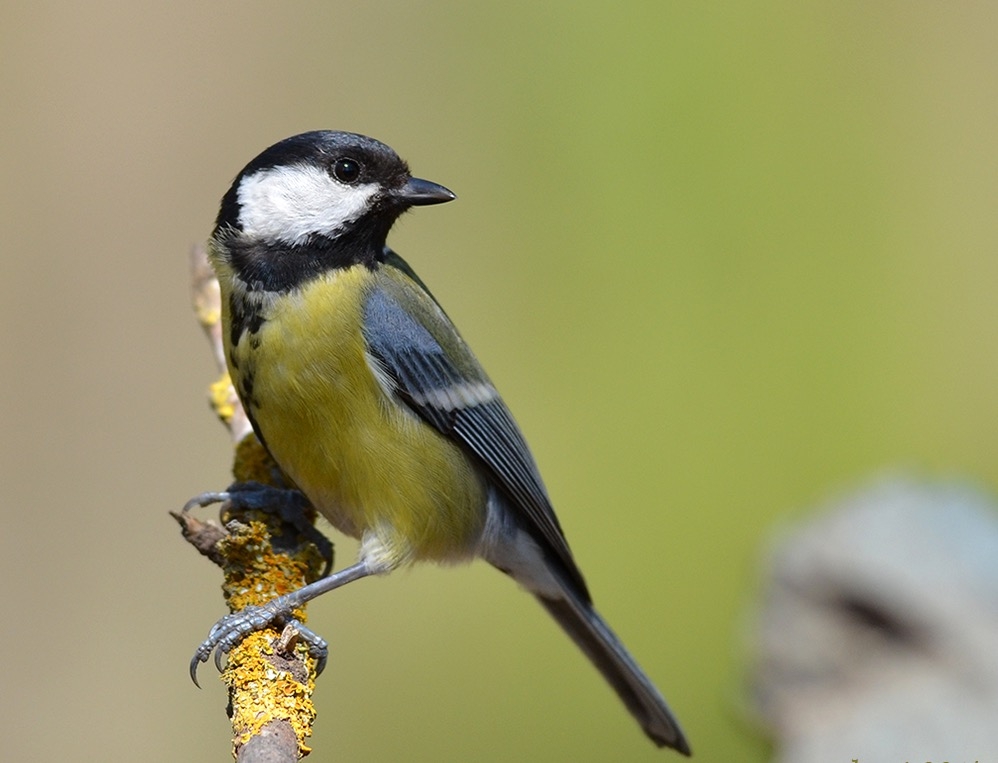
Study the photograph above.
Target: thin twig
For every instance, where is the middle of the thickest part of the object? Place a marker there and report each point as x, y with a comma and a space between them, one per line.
270, 676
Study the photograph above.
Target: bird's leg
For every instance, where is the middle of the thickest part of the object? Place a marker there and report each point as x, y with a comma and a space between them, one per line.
290, 505
233, 628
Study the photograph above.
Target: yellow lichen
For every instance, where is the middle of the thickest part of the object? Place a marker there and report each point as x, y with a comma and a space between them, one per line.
223, 398
260, 692
208, 314
255, 573
252, 463
264, 686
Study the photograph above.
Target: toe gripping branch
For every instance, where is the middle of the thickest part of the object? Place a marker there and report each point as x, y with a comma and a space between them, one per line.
270, 552
268, 549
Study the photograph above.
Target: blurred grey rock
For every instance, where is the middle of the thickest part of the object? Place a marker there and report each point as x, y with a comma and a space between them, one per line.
877, 638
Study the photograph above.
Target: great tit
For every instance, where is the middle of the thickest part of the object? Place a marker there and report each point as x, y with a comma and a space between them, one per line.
368, 399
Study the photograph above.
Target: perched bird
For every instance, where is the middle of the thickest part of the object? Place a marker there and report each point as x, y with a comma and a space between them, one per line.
363, 392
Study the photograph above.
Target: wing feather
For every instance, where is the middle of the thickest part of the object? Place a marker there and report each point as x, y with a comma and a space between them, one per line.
438, 377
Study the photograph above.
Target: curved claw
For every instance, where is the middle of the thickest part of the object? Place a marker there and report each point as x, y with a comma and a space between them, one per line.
205, 499
195, 664
289, 504
251, 495
218, 660
232, 629
199, 656
318, 649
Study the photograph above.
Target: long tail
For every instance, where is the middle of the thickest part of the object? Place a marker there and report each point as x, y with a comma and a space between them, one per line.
603, 648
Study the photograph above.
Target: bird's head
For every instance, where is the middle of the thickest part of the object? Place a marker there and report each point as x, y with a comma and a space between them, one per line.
321, 186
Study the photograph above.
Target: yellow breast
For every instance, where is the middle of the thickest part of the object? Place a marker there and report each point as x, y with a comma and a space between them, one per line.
368, 464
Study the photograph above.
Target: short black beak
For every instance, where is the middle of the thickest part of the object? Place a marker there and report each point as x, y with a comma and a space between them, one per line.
420, 193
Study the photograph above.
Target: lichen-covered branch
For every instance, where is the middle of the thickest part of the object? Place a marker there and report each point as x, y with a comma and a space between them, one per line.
270, 676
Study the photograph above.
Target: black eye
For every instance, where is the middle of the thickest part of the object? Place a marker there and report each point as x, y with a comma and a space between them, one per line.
346, 170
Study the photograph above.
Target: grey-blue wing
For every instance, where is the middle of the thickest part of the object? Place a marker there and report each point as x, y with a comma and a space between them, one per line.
438, 377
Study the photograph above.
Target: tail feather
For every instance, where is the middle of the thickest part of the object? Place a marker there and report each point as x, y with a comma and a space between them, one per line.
607, 653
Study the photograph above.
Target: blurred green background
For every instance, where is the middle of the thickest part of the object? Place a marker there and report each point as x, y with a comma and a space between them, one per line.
721, 260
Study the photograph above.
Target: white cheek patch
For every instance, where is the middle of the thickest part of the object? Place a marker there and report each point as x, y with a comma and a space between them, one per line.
292, 202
